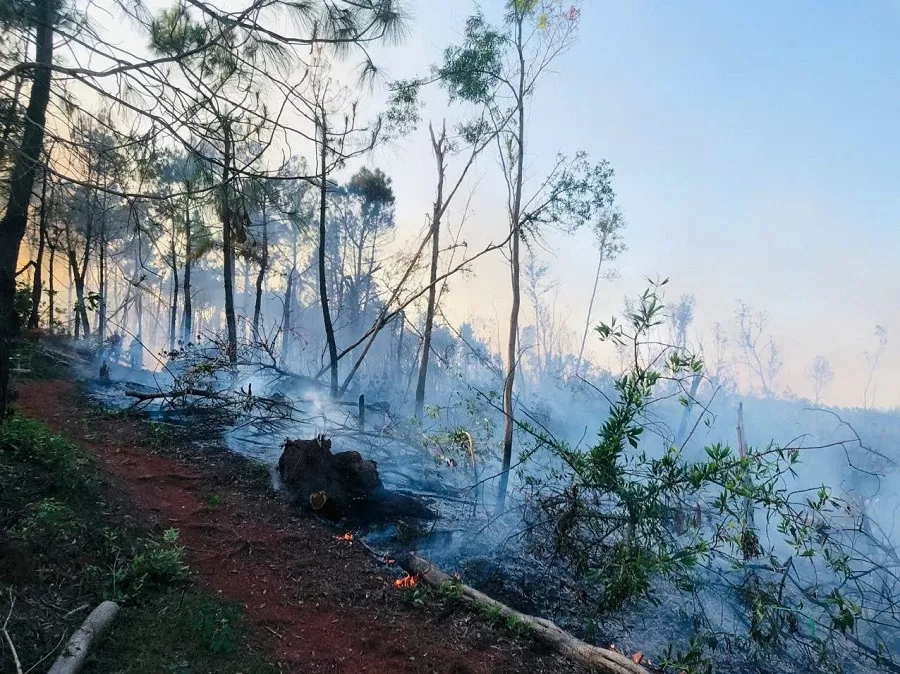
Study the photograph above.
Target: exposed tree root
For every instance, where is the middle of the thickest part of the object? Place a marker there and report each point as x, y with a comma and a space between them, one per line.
171, 476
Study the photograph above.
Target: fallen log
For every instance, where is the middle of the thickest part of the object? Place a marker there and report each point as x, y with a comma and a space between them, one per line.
76, 651
593, 657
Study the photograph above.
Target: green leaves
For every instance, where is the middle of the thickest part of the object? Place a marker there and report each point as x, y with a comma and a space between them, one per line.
471, 72
403, 107
847, 612
173, 32
627, 517
577, 193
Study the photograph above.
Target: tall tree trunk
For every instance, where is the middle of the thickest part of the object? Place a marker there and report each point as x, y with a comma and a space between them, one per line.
79, 272
515, 224
173, 313
51, 294
323, 285
186, 328
260, 277
437, 211
136, 350
82, 326
401, 316
12, 226
157, 309
590, 312
101, 308
37, 286
287, 316
245, 296
228, 246
71, 316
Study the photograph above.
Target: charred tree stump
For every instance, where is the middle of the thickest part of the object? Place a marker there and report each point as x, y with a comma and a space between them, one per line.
342, 485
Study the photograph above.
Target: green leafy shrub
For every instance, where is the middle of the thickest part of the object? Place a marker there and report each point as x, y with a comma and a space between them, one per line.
787, 555
218, 625
31, 442
159, 435
48, 521
159, 566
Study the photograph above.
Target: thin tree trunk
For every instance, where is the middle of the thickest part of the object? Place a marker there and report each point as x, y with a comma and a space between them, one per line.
101, 309
136, 350
399, 356
438, 148
681, 436
263, 265
51, 295
173, 315
286, 317
228, 247
70, 309
79, 273
323, 285
36, 288
186, 328
13, 224
82, 326
515, 217
245, 296
590, 312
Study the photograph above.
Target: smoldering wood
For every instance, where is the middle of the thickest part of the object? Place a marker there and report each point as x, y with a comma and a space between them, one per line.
343, 484
594, 657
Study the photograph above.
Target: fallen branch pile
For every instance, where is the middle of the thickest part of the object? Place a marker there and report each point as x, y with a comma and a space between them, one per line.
594, 657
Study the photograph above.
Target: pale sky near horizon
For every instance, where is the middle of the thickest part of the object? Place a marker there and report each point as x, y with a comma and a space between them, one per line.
755, 151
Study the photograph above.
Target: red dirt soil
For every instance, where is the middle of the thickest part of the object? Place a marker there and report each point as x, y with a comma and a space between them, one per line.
312, 603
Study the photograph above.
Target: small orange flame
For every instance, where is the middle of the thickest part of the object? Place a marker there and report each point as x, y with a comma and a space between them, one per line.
346, 537
405, 583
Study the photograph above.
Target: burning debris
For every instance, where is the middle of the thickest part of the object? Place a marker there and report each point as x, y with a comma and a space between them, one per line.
345, 537
406, 583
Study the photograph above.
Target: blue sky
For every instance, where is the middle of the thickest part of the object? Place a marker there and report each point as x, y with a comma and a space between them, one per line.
756, 155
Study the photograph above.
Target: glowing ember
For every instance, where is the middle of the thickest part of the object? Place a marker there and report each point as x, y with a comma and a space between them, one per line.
345, 537
405, 583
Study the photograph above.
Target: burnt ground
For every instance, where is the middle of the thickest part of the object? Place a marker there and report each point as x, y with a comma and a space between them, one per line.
312, 602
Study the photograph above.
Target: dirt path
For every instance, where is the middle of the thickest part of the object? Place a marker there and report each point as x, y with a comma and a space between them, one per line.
314, 603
